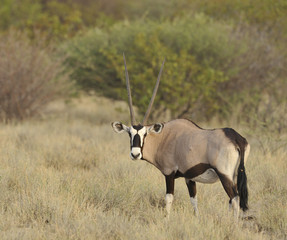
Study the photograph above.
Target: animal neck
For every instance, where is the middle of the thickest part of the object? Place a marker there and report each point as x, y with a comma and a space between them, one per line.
156, 146
151, 147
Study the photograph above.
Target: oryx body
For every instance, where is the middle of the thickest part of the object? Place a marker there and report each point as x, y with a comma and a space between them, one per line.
187, 150
180, 148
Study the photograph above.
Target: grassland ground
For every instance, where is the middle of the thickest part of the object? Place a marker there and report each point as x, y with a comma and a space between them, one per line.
67, 175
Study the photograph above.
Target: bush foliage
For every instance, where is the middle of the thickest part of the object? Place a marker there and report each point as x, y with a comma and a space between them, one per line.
205, 64
63, 19
219, 54
29, 77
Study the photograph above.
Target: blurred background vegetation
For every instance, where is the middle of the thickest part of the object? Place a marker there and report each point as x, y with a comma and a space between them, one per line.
225, 59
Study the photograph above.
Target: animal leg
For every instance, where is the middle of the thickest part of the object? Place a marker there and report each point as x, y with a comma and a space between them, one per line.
169, 180
191, 185
231, 191
234, 204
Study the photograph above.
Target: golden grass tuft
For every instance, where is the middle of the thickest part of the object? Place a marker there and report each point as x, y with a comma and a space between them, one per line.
69, 176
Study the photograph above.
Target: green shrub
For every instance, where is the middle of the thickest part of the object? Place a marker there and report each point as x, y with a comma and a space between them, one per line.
210, 65
189, 75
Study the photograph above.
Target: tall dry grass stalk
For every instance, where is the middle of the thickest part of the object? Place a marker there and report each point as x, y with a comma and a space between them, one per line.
69, 176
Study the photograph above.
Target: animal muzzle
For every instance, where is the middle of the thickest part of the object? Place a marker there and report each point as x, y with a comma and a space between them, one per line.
136, 153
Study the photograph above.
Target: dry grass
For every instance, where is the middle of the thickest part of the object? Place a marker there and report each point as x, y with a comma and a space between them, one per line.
69, 176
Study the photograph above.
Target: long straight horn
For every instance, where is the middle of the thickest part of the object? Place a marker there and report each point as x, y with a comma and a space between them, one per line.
153, 96
129, 94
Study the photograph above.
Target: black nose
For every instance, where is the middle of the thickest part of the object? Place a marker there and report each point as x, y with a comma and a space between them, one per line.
135, 156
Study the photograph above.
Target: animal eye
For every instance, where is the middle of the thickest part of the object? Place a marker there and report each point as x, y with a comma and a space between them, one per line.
156, 127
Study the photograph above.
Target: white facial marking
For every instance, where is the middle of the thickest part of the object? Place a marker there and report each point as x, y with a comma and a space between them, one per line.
141, 133
133, 132
136, 153
136, 150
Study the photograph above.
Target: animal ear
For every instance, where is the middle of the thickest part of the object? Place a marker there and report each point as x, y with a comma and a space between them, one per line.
119, 127
156, 128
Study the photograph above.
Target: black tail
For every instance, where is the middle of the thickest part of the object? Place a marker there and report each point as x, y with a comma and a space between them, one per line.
241, 143
242, 182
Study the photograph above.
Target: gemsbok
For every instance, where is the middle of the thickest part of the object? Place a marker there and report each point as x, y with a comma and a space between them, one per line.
180, 148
